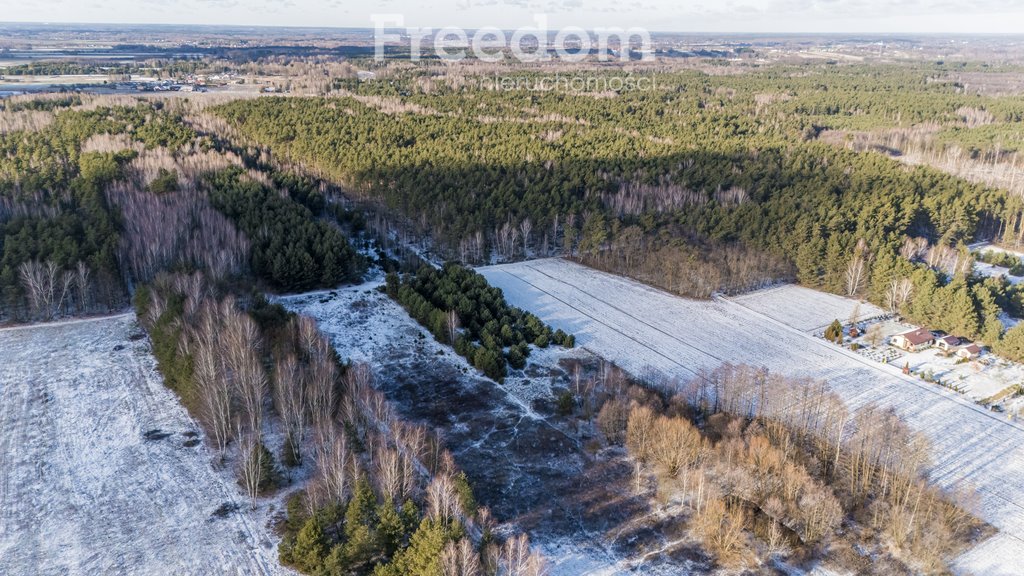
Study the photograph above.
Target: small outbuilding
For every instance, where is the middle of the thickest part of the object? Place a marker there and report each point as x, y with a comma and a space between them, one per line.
913, 340
947, 343
969, 352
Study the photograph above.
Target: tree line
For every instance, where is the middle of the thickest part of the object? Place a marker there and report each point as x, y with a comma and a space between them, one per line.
54, 214
270, 392
765, 466
461, 309
705, 185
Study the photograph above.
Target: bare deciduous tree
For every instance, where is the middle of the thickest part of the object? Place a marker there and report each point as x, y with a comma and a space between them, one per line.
676, 444
898, 294
336, 468
242, 344
460, 559
82, 286
442, 499
212, 385
392, 472
321, 397
721, 528
855, 270
34, 283
452, 325
290, 401
874, 334
526, 227
250, 464
67, 282
640, 432
516, 559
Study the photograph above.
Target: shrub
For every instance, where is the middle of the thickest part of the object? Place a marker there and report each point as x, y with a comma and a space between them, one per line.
165, 183
566, 403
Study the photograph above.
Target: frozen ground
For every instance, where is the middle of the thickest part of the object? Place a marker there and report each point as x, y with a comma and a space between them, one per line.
984, 269
526, 463
652, 333
808, 310
84, 489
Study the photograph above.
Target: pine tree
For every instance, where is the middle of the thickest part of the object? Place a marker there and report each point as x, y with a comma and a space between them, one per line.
310, 546
809, 257
360, 523
390, 527
1012, 344
963, 316
423, 555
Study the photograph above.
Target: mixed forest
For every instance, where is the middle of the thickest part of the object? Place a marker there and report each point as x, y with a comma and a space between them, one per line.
98, 198
705, 184
105, 200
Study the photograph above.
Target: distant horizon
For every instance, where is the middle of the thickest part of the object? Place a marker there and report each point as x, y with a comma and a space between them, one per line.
370, 29
962, 17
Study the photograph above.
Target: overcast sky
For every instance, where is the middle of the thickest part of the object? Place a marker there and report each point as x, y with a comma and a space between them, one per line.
963, 16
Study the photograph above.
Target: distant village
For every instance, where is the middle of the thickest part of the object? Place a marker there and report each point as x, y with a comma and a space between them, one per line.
160, 86
186, 83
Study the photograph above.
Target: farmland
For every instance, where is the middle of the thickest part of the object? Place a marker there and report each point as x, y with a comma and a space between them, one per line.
669, 339
101, 469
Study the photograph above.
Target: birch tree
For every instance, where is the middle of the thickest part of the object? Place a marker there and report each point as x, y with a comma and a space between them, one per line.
212, 385
290, 402
460, 559
82, 274
516, 559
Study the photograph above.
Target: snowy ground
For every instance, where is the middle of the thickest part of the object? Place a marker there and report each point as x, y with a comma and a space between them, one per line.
984, 269
652, 333
808, 310
526, 463
82, 488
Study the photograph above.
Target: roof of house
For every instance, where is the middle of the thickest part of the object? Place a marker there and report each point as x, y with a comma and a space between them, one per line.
972, 348
917, 336
950, 340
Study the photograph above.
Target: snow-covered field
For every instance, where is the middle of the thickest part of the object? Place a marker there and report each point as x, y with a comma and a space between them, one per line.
652, 333
808, 310
82, 488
